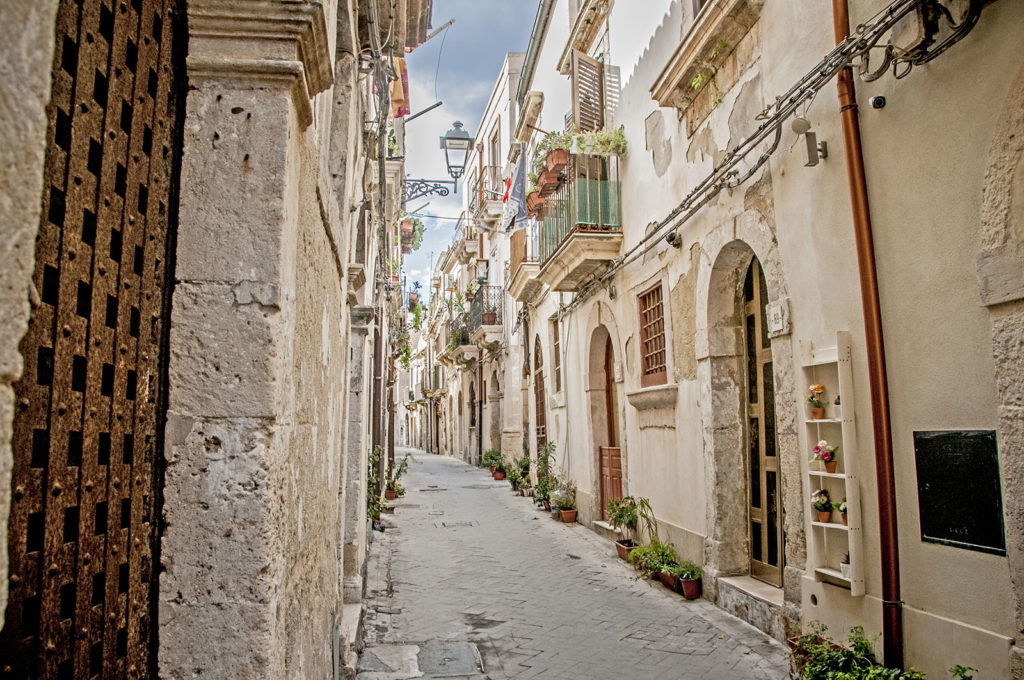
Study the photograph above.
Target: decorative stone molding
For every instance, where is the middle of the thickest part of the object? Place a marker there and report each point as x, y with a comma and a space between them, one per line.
714, 35
260, 42
532, 107
657, 397
591, 16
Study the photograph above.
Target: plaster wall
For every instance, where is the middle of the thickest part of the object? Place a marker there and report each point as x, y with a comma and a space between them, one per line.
927, 236
27, 30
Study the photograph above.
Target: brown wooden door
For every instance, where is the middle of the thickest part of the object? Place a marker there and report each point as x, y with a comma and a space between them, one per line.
611, 477
83, 537
539, 396
764, 482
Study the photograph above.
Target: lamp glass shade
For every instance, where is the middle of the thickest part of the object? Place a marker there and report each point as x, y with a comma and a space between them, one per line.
456, 144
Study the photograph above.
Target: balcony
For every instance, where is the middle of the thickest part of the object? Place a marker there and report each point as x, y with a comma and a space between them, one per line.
458, 348
485, 199
524, 285
485, 323
466, 245
581, 231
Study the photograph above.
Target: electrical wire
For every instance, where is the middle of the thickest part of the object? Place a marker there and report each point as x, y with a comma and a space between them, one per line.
437, 69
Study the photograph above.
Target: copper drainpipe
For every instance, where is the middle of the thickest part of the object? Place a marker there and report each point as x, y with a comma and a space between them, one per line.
892, 613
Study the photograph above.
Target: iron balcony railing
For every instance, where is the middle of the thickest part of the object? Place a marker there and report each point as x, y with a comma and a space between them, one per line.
587, 201
488, 187
485, 310
458, 333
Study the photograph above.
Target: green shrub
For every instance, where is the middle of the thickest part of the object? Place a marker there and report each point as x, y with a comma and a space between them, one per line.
650, 559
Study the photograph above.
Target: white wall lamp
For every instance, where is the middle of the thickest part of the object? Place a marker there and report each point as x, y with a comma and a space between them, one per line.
815, 149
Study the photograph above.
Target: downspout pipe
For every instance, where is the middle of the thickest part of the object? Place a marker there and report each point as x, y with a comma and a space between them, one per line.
892, 613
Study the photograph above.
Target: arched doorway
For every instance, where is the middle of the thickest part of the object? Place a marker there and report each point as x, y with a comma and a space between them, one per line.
763, 469
494, 404
604, 410
541, 429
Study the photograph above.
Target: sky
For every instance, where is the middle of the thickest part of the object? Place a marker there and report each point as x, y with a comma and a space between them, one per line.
466, 59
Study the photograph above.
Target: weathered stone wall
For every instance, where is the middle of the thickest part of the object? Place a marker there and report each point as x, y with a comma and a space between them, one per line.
27, 29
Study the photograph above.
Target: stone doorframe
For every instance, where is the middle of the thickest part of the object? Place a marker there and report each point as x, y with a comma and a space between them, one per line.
720, 354
1000, 267
601, 329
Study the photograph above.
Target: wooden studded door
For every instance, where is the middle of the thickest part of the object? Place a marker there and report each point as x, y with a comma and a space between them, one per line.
83, 534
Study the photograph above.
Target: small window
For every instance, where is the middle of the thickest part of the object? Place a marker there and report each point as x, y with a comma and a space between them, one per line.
652, 338
556, 360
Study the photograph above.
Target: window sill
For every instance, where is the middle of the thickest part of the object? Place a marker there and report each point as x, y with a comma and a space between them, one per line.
655, 397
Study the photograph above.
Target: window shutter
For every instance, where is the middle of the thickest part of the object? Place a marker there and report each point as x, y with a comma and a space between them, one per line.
612, 87
587, 93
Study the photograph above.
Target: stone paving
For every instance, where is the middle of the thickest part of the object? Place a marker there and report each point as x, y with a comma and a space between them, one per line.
464, 560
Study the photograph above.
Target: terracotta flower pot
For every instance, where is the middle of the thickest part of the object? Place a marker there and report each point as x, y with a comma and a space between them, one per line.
824, 516
843, 515
816, 412
830, 466
390, 495
624, 549
547, 183
568, 516
499, 475
690, 588
667, 580
490, 318
556, 159
492, 469
534, 202
547, 505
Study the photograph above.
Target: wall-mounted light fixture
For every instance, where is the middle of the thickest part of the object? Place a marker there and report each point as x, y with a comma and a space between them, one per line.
815, 149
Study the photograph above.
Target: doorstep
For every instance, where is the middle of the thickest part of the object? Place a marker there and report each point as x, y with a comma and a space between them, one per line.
606, 530
753, 601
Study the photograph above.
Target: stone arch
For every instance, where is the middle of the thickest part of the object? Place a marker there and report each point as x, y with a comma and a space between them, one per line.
1001, 289
727, 254
603, 335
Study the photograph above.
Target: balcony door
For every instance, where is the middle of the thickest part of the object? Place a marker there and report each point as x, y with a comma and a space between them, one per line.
763, 480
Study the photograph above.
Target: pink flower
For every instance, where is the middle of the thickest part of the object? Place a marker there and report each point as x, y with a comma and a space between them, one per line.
817, 450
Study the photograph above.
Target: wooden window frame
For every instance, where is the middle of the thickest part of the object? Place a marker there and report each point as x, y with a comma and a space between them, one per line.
556, 350
653, 346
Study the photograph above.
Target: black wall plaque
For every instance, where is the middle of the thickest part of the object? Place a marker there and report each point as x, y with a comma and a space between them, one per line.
958, 489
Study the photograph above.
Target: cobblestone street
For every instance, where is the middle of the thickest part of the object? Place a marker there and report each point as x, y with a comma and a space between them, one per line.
464, 560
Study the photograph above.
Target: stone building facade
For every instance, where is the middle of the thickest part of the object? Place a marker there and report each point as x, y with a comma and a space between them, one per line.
673, 304
202, 291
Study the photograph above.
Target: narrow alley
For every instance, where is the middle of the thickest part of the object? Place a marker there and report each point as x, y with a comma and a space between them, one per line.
465, 560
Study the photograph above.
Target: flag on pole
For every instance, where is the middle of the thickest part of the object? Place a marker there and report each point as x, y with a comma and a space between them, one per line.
514, 214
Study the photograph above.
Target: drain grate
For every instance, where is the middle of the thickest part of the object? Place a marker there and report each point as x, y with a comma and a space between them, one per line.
455, 525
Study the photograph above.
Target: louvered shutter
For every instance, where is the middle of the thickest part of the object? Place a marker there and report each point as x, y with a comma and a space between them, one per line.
612, 88
587, 93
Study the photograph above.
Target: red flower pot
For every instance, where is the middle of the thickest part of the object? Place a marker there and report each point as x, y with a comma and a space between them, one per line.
624, 549
490, 318
691, 588
547, 505
830, 466
390, 495
568, 516
824, 516
556, 159
843, 515
492, 469
499, 475
547, 183
534, 202
667, 580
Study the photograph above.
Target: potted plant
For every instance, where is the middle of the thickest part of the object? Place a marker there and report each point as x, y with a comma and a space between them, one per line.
844, 566
392, 489
622, 512
815, 405
841, 507
837, 409
565, 500
491, 316
534, 201
499, 470
514, 477
821, 503
689, 579
651, 561
827, 454
542, 492
491, 459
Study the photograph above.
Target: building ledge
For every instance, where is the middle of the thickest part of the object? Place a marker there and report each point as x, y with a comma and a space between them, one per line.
656, 397
715, 34
489, 336
530, 114
585, 29
524, 285
582, 256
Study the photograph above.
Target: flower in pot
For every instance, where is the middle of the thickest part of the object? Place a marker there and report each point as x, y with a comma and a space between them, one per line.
821, 503
622, 512
841, 507
815, 405
844, 566
689, 575
499, 470
565, 500
827, 454
491, 316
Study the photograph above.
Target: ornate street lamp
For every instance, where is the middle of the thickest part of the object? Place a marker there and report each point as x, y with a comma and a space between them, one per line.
457, 143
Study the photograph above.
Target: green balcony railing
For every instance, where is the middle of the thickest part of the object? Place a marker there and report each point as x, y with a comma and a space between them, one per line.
587, 200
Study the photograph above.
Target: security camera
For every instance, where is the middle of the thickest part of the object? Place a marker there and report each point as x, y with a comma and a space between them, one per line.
673, 239
877, 102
